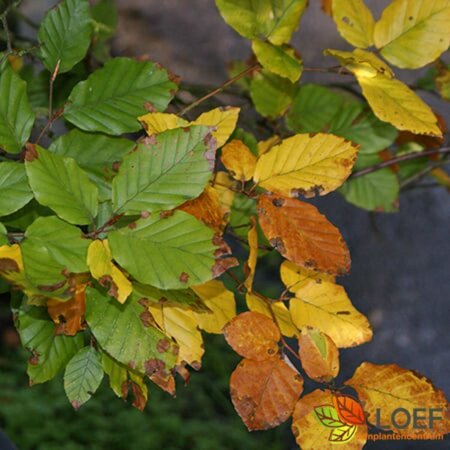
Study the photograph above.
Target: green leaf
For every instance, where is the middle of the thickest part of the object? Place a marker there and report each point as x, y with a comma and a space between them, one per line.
317, 108
16, 117
172, 297
328, 416
96, 154
272, 95
65, 35
170, 253
112, 98
60, 184
22, 219
278, 60
105, 13
52, 248
50, 353
116, 372
83, 376
14, 188
274, 20
377, 191
127, 334
165, 172
3, 235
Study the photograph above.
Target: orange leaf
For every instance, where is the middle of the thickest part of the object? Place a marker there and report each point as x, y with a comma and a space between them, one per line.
349, 409
207, 208
303, 235
68, 315
318, 354
253, 336
264, 392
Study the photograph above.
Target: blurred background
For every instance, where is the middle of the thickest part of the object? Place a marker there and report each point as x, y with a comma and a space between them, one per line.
400, 273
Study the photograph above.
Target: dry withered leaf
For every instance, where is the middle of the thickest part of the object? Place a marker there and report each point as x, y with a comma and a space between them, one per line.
68, 315
302, 235
318, 354
264, 393
253, 336
387, 388
207, 208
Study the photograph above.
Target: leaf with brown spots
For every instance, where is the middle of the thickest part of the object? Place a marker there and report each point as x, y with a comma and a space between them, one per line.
103, 269
180, 324
69, 315
318, 354
310, 434
305, 165
389, 387
239, 160
295, 277
253, 336
303, 235
207, 208
327, 307
264, 393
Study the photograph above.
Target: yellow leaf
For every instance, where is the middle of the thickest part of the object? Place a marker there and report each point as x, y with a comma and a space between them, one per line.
386, 388
354, 22
280, 311
390, 99
413, 33
265, 146
12, 270
253, 254
318, 354
181, 325
327, 307
394, 102
310, 434
239, 160
224, 185
305, 165
361, 63
443, 83
295, 277
221, 303
223, 119
103, 269
155, 123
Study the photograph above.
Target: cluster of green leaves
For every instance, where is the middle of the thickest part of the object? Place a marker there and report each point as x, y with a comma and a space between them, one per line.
117, 244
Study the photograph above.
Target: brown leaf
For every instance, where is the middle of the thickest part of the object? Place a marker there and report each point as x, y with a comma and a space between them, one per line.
253, 336
310, 434
303, 235
264, 392
207, 208
385, 389
318, 354
68, 315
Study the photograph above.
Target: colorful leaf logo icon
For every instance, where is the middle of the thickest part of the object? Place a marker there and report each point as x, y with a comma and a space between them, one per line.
343, 417
349, 410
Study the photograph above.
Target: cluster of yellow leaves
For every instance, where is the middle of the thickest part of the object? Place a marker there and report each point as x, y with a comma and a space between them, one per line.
410, 34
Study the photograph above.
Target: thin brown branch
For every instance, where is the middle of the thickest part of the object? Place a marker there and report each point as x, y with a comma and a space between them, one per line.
109, 223
400, 159
218, 90
50, 94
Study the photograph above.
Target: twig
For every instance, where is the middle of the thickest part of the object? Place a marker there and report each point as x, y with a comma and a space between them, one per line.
49, 124
8, 34
50, 94
337, 69
219, 89
399, 159
109, 223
